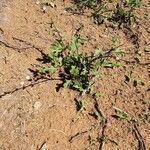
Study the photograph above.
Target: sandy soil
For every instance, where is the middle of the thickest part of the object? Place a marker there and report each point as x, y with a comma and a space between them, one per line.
40, 118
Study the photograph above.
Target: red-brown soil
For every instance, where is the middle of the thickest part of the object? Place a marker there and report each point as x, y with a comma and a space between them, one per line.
40, 118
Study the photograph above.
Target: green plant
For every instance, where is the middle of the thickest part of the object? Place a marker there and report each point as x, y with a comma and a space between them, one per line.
118, 14
133, 3
128, 77
47, 2
101, 15
120, 114
97, 94
147, 49
78, 70
112, 64
106, 139
86, 3
54, 57
123, 17
114, 46
81, 105
138, 82
98, 115
79, 6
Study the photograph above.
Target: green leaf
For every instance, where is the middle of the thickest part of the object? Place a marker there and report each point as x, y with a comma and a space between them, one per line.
98, 52
74, 71
74, 43
114, 41
57, 47
45, 70
147, 49
98, 115
119, 51
78, 86
98, 94
120, 114
138, 82
128, 77
114, 64
81, 105
133, 3
67, 83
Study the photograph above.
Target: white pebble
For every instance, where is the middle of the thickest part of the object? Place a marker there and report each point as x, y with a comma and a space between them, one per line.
44, 8
22, 83
52, 5
37, 2
28, 77
117, 58
37, 105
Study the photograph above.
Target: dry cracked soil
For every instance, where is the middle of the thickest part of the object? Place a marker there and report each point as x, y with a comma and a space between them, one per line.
35, 116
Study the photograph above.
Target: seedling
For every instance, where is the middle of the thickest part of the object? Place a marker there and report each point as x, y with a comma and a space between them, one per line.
48, 2
80, 5
128, 77
101, 15
114, 42
98, 115
106, 139
123, 17
147, 49
145, 117
120, 114
119, 51
91, 140
97, 94
114, 46
81, 105
54, 57
86, 3
113, 64
138, 82
133, 3
44, 70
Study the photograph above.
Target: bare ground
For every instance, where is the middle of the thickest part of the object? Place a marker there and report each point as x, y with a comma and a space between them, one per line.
40, 118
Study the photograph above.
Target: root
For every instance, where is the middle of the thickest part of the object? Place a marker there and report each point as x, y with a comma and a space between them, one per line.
27, 86
141, 143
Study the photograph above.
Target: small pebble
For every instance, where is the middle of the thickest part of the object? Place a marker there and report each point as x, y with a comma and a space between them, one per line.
37, 2
28, 77
37, 105
44, 8
117, 58
52, 5
8, 96
22, 83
